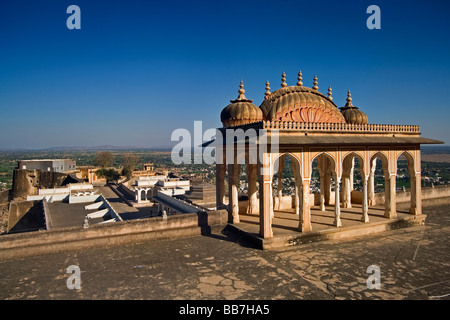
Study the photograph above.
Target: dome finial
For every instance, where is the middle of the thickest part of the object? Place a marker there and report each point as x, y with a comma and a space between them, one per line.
283, 79
241, 92
267, 94
299, 78
349, 99
315, 83
329, 94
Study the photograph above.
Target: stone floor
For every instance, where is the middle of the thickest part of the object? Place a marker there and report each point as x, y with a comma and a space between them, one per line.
286, 222
414, 264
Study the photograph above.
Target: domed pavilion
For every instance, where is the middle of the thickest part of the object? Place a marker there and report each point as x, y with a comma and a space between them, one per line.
302, 123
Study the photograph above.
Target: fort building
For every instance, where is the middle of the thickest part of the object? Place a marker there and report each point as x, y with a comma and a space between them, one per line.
51, 165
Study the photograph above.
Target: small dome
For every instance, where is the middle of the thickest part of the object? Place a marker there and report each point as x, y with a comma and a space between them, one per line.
352, 114
240, 111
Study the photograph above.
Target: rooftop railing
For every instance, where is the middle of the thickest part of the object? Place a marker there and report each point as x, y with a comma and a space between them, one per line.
331, 127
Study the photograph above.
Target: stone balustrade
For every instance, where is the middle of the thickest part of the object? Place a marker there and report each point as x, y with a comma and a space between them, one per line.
331, 127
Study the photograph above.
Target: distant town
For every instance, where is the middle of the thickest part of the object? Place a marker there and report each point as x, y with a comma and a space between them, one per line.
436, 172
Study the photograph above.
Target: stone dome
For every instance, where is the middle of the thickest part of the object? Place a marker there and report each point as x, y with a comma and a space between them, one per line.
240, 111
300, 104
352, 114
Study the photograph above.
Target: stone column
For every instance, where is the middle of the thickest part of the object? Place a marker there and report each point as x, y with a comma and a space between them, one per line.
327, 187
365, 206
346, 191
322, 190
252, 195
265, 197
389, 203
371, 183
337, 205
280, 177
304, 224
220, 184
416, 193
298, 187
233, 181
352, 170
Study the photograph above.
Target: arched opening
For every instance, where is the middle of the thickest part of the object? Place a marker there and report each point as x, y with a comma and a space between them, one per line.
283, 182
286, 192
322, 184
406, 181
354, 184
329, 184
381, 185
143, 195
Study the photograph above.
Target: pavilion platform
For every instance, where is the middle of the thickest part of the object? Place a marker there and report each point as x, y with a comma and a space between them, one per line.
285, 225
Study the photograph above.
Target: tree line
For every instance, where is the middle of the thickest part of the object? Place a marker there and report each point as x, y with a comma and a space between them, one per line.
105, 159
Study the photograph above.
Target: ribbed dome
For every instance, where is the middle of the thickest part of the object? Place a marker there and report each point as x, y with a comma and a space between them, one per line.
352, 114
240, 111
300, 104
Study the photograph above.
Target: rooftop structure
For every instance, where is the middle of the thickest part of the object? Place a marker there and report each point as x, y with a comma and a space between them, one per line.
51, 165
302, 123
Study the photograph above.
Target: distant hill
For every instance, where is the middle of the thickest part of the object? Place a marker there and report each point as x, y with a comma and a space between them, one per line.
435, 149
87, 148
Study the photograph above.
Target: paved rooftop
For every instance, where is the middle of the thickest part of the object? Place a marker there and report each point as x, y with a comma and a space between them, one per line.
286, 222
414, 264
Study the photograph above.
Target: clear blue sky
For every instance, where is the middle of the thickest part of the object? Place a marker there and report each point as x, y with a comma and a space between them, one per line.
139, 69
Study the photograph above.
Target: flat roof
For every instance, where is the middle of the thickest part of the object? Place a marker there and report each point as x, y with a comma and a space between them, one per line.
343, 140
352, 140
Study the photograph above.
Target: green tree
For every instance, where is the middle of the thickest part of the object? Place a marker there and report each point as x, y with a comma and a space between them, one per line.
129, 162
110, 175
103, 159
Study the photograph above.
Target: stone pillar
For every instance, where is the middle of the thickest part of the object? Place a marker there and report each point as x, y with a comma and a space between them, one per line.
371, 183
346, 191
322, 190
337, 204
327, 187
280, 177
233, 181
365, 206
416, 193
304, 224
352, 170
220, 184
265, 197
298, 187
389, 203
252, 195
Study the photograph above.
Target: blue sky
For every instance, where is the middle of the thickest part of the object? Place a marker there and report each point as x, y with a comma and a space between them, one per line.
137, 70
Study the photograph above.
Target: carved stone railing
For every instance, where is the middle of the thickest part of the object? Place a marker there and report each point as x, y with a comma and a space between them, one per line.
342, 127
331, 127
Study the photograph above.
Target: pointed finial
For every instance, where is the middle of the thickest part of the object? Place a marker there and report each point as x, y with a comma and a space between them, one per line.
241, 86
349, 99
329, 94
315, 83
299, 78
283, 79
267, 94
241, 92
